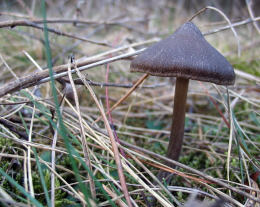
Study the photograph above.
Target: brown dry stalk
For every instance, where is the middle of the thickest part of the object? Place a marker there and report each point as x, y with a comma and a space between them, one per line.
37, 78
140, 80
69, 20
177, 172
33, 78
118, 201
197, 172
112, 140
83, 136
34, 24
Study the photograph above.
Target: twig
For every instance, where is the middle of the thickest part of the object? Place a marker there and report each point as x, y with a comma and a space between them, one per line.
95, 64
42, 76
12, 127
246, 21
27, 23
251, 13
34, 78
118, 85
140, 80
73, 21
226, 18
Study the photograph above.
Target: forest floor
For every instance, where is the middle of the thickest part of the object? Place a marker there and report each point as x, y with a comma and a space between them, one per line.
59, 148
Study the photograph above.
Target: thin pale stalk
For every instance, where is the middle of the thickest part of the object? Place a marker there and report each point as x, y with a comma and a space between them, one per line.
29, 156
113, 142
83, 137
140, 80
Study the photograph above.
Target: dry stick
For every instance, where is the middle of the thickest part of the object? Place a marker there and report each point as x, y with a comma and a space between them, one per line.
83, 137
102, 62
34, 78
251, 13
37, 78
110, 84
112, 140
140, 80
226, 18
73, 21
55, 31
113, 195
201, 174
243, 22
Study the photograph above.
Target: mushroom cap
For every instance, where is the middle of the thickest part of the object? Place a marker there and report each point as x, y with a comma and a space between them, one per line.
185, 54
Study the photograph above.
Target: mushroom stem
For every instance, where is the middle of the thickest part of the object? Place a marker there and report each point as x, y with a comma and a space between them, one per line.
177, 130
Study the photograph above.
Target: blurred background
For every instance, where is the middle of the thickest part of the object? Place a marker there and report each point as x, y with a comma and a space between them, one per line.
138, 20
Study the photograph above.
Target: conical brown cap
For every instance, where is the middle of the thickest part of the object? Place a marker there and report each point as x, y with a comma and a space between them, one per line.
185, 54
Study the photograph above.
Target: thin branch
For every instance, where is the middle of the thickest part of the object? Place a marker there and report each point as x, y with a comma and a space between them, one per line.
139, 81
74, 21
27, 23
117, 85
246, 21
251, 13
34, 78
225, 17
42, 76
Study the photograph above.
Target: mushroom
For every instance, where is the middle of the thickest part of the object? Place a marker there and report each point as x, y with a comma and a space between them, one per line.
184, 55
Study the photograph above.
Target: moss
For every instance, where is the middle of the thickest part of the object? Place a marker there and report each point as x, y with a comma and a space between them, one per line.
38, 189
251, 66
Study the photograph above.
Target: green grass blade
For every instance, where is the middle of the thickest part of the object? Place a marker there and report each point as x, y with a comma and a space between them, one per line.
47, 197
21, 189
62, 130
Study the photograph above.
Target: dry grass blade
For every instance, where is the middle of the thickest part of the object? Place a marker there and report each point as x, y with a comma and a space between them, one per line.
231, 129
113, 142
119, 202
138, 82
31, 187
82, 132
197, 172
220, 156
